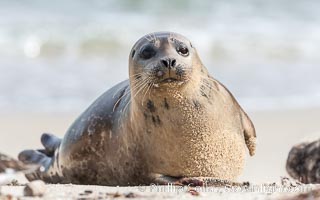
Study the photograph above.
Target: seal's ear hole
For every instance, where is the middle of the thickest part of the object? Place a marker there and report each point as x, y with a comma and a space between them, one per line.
191, 45
133, 52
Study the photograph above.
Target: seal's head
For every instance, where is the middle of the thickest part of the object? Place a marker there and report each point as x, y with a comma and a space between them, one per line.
163, 59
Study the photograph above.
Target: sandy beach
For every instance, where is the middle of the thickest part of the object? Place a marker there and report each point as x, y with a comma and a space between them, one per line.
154, 192
277, 131
56, 57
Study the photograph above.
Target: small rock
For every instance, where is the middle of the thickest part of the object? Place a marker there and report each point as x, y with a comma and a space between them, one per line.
14, 182
287, 182
116, 195
7, 162
88, 191
193, 192
35, 189
130, 195
246, 184
8, 197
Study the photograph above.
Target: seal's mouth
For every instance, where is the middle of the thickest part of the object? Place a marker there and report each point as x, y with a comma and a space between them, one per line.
169, 76
169, 80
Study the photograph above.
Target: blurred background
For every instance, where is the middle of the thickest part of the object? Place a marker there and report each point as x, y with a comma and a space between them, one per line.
56, 57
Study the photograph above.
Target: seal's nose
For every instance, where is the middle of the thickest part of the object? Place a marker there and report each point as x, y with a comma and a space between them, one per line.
169, 62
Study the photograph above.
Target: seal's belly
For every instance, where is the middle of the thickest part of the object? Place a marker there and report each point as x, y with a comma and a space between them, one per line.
194, 136
221, 156
200, 144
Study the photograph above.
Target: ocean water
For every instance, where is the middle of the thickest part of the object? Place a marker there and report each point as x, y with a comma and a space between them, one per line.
58, 56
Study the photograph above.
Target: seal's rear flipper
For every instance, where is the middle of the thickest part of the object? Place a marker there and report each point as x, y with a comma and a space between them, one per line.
37, 158
43, 158
50, 143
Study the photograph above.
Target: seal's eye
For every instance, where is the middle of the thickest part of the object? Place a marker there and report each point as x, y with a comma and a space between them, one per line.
147, 52
183, 50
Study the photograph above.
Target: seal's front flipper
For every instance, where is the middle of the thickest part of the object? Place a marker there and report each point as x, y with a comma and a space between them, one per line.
205, 181
249, 133
211, 182
194, 181
163, 179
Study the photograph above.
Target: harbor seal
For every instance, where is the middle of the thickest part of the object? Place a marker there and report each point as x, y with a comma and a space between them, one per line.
171, 121
303, 162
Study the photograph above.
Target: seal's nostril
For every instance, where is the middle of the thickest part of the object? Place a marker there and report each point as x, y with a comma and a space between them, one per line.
173, 63
165, 62
168, 62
